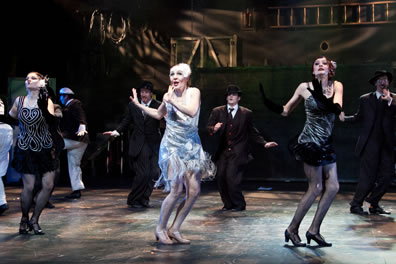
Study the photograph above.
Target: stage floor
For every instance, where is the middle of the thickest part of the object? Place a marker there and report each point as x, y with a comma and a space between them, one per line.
100, 228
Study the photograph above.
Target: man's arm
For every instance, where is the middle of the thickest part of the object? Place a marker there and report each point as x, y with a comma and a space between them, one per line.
213, 123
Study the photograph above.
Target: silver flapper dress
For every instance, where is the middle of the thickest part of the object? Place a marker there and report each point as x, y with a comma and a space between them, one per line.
181, 150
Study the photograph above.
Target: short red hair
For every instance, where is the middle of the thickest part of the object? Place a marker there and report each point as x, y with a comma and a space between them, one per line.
331, 64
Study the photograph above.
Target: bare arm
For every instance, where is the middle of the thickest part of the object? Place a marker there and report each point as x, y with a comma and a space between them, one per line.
295, 100
51, 107
194, 101
14, 109
338, 93
154, 113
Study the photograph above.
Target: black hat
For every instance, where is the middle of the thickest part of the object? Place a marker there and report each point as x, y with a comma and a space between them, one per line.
233, 89
146, 85
381, 73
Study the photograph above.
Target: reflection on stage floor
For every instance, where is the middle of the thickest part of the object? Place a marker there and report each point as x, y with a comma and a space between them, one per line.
100, 228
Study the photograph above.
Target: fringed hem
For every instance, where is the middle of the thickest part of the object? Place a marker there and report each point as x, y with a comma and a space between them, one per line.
31, 162
204, 165
313, 154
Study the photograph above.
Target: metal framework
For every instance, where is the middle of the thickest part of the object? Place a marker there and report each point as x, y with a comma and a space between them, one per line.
378, 12
201, 43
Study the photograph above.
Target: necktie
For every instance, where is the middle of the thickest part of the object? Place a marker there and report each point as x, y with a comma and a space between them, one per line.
230, 112
143, 112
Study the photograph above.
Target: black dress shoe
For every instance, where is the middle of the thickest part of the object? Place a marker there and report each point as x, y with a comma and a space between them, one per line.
377, 210
238, 209
74, 195
136, 205
226, 209
49, 205
357, 210
3, 208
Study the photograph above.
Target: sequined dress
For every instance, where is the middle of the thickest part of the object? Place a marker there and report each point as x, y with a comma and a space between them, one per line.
181, 148
314, 145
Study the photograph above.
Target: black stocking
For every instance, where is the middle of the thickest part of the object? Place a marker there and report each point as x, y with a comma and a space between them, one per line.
43, 196
330, 190
314, 176
27, 195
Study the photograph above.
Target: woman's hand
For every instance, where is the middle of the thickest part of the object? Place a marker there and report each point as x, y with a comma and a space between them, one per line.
134, 98
168, 96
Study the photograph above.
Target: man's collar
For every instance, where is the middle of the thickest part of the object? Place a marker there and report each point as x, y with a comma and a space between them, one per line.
148, 103
235, 107
68, 102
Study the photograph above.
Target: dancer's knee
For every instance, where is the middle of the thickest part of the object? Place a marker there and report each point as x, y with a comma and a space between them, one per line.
333, 188
48, 186
317, 189
194, 192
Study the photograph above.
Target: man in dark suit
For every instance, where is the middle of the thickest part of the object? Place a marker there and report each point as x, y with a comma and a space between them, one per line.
233, 124
73, 126
144, 143
375, 144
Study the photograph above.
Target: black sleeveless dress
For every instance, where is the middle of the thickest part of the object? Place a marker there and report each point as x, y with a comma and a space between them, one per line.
34, 151
314, 144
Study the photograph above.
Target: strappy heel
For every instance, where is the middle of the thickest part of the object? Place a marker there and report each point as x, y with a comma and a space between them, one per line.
162, 237
295, 239
318, 238
36, 228
178, 237
23, 226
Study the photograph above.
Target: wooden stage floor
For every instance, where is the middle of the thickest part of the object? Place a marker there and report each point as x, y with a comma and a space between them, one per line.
100, 228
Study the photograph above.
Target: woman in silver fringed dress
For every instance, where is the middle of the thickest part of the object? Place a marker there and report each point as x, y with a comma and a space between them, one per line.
182, 161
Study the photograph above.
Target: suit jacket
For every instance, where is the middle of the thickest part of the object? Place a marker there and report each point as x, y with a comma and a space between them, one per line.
73, 115
245, 133
367, 114
146, 130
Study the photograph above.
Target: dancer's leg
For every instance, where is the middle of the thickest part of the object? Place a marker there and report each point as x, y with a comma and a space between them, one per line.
47, 183
331, 188
169, 203
315, 187
193, 188
27, 194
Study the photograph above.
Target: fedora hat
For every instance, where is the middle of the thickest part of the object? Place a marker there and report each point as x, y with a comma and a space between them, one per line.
233, 89
379, 74
66, 90
146, 85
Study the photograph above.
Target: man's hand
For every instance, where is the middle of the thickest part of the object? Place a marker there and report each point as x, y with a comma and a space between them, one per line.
386, 95
217, 127
82, 130
113, 133
270, 144
342, 117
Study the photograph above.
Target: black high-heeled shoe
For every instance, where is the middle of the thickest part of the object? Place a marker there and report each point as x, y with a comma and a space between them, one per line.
36, 228
295, 239
23, 227
318, 238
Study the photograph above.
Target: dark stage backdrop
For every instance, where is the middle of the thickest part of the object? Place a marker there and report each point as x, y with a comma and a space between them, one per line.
101, 49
